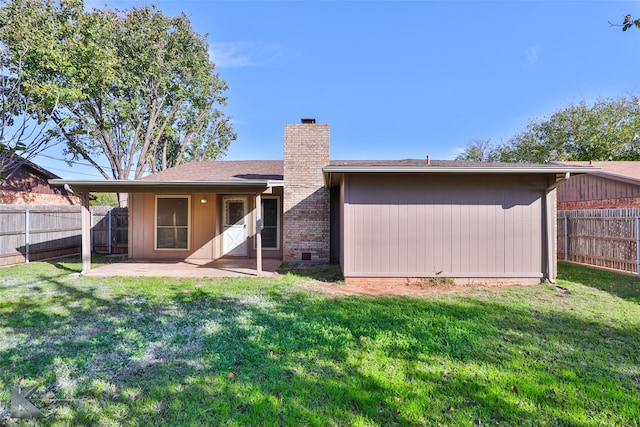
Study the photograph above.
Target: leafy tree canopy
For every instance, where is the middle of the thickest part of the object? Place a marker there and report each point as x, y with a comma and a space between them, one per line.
630, 22
608, 129
25, 126
104, 199
134, 87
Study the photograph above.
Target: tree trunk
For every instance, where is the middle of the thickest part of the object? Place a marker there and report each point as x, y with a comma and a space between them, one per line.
123, 200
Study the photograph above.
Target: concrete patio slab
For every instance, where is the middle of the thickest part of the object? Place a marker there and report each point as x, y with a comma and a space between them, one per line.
224, 267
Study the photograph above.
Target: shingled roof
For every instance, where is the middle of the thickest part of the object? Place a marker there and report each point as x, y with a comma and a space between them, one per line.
243, 170
623, 169
222, 170
411, 163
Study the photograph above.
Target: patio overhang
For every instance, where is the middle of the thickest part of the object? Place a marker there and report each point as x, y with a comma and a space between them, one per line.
167, 187
83, 188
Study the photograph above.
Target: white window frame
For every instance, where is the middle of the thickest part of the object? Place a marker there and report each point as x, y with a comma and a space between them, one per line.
155, 221
278, 224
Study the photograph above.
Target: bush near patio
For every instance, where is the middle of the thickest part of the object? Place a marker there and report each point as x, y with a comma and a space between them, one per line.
157, 351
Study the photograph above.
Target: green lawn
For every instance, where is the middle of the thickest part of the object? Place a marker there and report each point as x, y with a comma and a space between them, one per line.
240, 352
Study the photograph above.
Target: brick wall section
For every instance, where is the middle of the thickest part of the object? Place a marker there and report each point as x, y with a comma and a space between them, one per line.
625, 202
30, 198
306, 200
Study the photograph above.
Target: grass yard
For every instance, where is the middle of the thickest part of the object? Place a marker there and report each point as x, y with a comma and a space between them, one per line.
273, 352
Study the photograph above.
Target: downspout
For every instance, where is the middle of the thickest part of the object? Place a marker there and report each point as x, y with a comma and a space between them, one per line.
551, 276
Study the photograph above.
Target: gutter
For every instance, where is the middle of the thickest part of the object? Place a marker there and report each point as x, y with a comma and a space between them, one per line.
458, 169
133, 186
139, 183
555, 185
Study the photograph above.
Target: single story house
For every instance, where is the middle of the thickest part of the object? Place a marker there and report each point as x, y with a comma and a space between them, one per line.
29, 185
381, 220
616, 185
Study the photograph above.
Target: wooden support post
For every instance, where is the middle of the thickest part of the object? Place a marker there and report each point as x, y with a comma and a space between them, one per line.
86, 234
566, 237
638, 245
27, 238
91, 222
258, 234
110, 235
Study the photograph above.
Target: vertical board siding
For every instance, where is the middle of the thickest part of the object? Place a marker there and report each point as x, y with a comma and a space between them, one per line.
588, 191
454, 226
600, 237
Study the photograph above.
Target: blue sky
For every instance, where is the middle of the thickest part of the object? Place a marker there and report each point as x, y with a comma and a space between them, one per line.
404, 79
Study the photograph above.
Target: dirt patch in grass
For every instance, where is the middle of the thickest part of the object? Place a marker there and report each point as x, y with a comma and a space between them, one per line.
408, 289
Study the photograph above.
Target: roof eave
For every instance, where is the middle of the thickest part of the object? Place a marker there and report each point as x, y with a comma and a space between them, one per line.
618, 177
459, 169
142, 186
338, 170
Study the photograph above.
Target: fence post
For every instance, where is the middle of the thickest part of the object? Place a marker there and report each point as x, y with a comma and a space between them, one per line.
26, 236
638, 245
92, 240
110, 236
566, 237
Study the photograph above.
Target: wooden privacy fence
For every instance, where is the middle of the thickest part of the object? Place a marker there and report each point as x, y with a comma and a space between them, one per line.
601, 237
110, 230
30, 233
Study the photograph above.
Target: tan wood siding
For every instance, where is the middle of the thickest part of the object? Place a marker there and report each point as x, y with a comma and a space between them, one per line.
453, 226
202, 228
342, 223
266, 252
205, 228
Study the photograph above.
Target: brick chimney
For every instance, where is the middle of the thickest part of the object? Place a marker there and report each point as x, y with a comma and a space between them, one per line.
306, 200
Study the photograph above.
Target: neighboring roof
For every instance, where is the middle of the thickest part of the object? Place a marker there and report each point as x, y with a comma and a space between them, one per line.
22, 163
619, 170
47, 174
222, 170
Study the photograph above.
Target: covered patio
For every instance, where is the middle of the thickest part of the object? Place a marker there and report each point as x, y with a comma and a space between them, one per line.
223, 267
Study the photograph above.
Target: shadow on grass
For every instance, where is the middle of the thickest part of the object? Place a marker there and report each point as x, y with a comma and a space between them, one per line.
198, 358
621, 285
316, 271
74, 264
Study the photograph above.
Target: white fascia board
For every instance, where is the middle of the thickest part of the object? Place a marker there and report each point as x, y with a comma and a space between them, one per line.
459, 169
124, 186
134, 183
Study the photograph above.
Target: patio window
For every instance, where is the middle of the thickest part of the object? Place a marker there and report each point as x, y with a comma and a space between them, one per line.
172, 222
270, 222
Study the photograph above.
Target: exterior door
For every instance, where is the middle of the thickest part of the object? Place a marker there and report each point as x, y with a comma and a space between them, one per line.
234, 235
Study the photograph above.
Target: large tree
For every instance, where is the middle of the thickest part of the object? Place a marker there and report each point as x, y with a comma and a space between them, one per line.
25, 127
479, 150
135, 87
604, 130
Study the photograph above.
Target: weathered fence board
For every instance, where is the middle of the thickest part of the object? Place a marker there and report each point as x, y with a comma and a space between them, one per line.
600, 237
110, 230
29, 233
